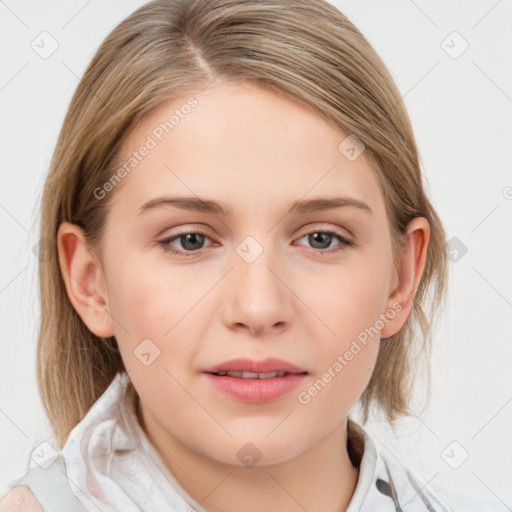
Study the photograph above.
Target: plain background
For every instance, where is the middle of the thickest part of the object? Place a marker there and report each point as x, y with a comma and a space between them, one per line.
460, 107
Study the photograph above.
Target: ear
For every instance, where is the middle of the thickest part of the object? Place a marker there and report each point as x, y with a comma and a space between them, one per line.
84, 279
406, 280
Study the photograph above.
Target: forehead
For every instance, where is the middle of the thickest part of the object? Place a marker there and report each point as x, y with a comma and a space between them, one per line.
247, 146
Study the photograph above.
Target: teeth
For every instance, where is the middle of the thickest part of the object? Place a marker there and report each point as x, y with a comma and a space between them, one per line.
252, 375
269, 375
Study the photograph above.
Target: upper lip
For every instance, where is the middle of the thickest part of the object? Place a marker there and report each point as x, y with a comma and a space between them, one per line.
270, 364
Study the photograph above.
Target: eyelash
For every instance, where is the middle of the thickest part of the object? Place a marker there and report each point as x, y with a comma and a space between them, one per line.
165, 244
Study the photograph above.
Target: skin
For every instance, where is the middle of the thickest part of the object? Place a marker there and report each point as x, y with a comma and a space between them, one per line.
255, 151
19, 499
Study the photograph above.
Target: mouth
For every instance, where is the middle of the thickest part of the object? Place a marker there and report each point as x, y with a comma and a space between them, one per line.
252, 375
249, 368
255, 382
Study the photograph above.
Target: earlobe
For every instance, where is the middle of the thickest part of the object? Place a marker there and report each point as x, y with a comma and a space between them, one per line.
83, 277
412, 264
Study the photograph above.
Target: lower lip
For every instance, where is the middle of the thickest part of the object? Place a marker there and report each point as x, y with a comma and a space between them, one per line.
256, 391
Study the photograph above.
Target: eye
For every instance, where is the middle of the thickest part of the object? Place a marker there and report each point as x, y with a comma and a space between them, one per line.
320, 239
193, 241
189, 240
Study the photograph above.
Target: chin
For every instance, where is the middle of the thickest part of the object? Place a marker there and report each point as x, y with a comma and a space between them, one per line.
260, 449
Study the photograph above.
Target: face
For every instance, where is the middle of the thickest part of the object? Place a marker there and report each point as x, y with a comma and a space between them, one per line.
189, 288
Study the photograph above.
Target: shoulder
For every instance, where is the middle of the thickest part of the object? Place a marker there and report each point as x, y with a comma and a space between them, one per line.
19, 499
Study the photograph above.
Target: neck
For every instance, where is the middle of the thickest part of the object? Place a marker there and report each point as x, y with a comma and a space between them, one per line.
321, 478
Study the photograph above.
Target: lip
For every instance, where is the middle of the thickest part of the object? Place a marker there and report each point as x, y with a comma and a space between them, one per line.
256, 390
270, 364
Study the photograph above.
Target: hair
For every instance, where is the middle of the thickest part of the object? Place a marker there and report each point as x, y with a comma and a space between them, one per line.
303, 49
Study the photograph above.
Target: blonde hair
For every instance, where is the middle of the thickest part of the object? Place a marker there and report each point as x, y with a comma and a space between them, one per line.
305, 49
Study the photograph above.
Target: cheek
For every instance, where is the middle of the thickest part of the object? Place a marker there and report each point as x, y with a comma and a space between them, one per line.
143, 309
160, 320
146, 298
348, 299
348, 304
344, 358
146, 309
152, 341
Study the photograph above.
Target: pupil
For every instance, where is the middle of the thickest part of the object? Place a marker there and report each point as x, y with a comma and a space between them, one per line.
322, 236
191, 237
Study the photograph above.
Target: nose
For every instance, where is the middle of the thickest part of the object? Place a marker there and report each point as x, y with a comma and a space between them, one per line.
258, 298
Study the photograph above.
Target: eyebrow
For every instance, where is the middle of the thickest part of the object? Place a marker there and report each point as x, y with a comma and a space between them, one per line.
300, 206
